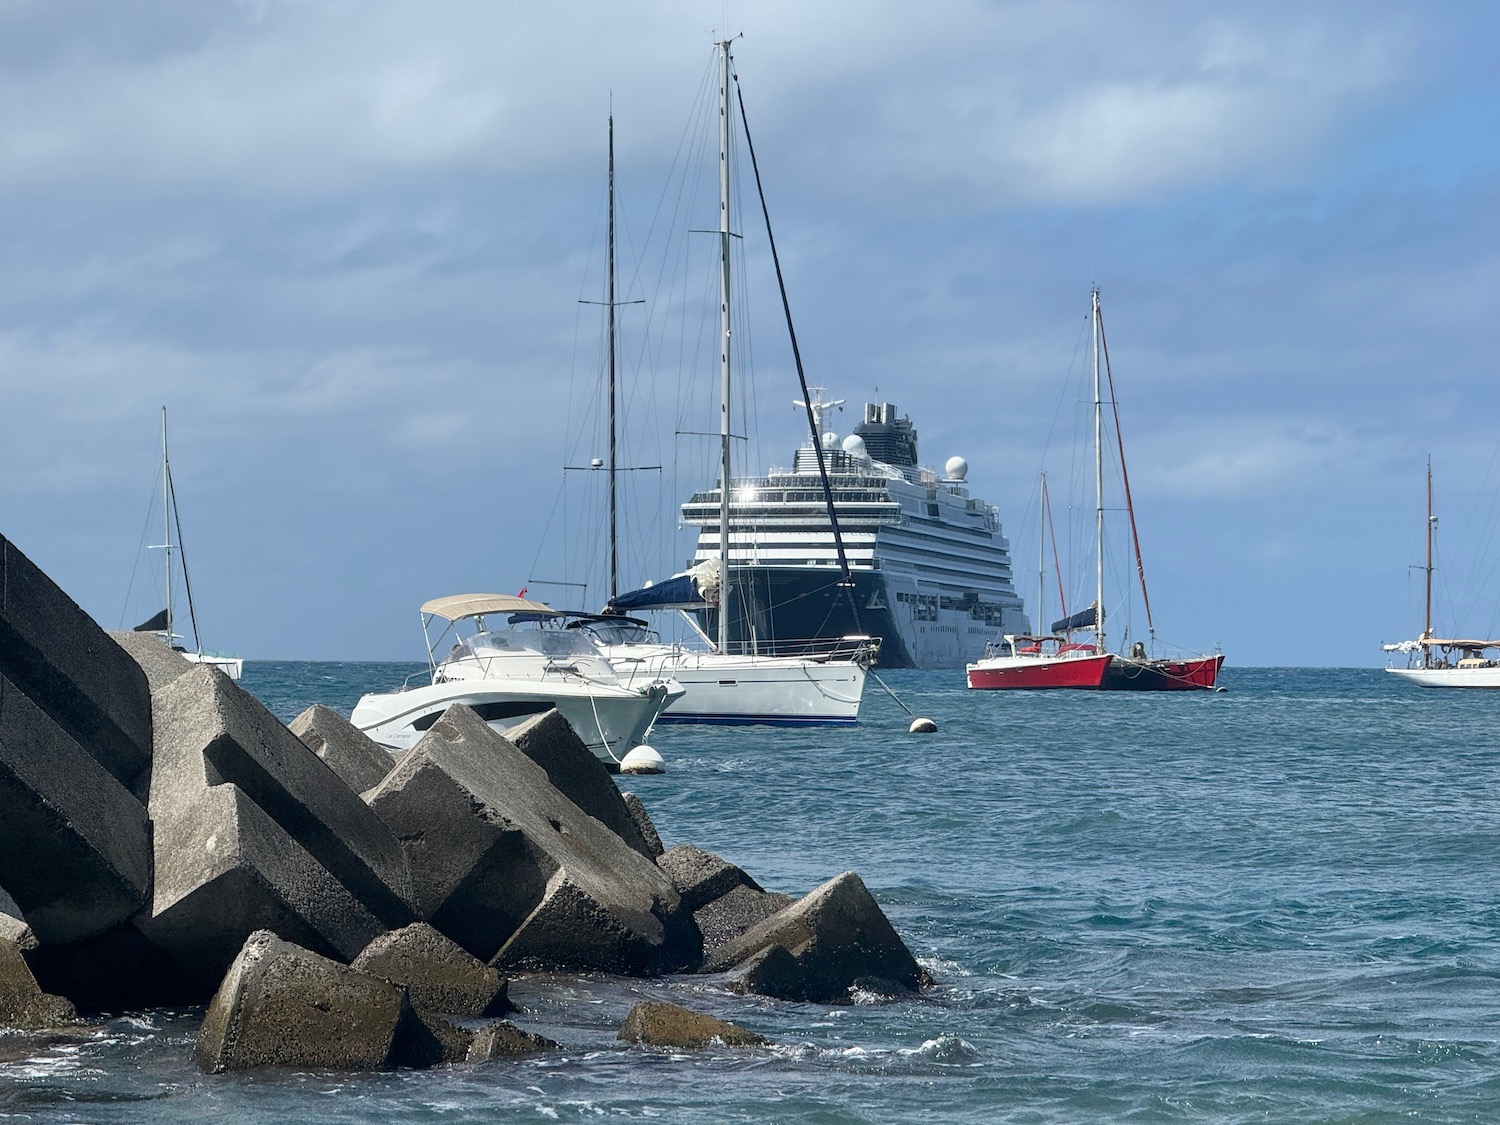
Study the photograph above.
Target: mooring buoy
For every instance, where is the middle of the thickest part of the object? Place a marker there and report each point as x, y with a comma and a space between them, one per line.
643, 759
922, 725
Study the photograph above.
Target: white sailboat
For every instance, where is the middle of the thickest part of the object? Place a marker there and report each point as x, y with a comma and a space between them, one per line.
1443, 661
805, 688
164, 623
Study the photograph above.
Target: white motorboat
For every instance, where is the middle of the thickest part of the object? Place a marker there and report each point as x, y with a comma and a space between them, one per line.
163, 623
512, 658
1445, 662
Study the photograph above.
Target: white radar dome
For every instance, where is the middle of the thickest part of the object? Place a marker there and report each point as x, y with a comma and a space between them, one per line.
956, 468
830, 440
854, 445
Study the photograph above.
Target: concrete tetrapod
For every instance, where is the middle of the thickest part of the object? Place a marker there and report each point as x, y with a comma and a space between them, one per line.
346, 749
75, 845
833, 939
516, 873
58, 656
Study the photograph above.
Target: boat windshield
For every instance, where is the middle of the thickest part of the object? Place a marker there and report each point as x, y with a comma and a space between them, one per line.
622, 632
548, 642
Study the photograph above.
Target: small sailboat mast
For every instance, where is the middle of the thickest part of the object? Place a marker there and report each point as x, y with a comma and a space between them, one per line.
166, 520
724, 329
614, 552
1427, 617
1098, 484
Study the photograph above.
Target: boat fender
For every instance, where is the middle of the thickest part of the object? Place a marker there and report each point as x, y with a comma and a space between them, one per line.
921, 725
643, 759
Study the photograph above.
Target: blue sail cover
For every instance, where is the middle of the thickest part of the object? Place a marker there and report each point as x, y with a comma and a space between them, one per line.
1083, 619
677, 592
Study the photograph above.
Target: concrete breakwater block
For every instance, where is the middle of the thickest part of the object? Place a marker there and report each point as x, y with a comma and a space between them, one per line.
225, 869
700, 876
344, 748
13, 925
23, 1004
61, 659
643, 823
281, 1005
210, 732
731, 914
820, 947
501, 1039
160, 663
438, 975
550, 741
75, 846
487, 834
659, 1024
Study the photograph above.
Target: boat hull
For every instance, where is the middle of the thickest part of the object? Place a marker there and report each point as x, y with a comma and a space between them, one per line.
231, 666
730, 690
1198, 673
1487, 676
611, 722
916, 629
1032, 673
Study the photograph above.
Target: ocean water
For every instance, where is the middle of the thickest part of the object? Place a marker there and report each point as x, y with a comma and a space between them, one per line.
1276, 903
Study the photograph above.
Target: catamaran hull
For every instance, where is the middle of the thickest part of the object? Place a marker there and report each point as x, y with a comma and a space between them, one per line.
1031, 673
231, 666
1485, 677
768, 691
1195, 674
610, 722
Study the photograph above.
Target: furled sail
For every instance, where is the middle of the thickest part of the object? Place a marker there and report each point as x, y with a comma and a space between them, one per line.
692, 589
157, 624
1083, 619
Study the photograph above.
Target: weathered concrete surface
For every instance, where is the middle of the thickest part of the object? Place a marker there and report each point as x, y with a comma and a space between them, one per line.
700, 876
209, 732
346, 750
730, 915
23, 1005
837, 937
57, 655
225, 869
658, 1024
550, 741
643, 823
424, 1039
75, 846
280, 1005
487, 835
13, 925
503, 1039
438, 974
160, 664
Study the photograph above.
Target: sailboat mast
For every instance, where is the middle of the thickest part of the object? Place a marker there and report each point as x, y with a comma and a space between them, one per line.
166, 518
614, 554
1098, 486
1431, 524
1041, 556
724, 389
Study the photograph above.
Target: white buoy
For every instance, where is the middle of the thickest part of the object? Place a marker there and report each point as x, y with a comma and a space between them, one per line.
643, 759
920, 725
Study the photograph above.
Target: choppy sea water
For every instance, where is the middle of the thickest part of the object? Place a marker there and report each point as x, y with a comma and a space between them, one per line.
1279, 903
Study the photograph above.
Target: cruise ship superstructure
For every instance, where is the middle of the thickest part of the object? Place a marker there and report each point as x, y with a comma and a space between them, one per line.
930, 564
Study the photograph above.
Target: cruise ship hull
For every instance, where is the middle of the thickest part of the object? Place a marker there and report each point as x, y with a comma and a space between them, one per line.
916, 630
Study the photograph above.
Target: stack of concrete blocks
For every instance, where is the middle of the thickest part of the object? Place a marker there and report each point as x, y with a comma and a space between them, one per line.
158, 826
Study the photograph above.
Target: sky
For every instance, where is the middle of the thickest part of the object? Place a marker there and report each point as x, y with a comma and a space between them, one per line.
344, 243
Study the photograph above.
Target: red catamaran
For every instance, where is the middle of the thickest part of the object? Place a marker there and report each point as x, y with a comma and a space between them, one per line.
1137, 670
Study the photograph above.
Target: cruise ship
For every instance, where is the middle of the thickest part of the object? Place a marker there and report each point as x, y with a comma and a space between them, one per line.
930, 564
